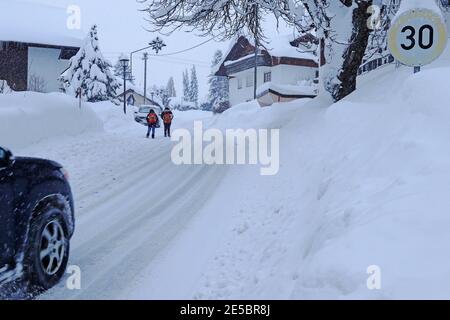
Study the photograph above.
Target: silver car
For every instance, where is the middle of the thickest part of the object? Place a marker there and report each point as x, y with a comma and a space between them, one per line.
140, 115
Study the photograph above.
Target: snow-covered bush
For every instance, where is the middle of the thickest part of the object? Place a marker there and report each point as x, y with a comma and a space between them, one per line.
218, 86
4, 88
222, 107
91, 72
181, 104
206, 106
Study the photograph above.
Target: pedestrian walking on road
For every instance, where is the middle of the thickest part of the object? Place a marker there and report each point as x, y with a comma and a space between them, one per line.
167, 117
152, 121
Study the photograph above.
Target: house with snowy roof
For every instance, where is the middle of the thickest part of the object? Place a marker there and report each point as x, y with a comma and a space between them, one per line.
288, 69
134, 96
35, 45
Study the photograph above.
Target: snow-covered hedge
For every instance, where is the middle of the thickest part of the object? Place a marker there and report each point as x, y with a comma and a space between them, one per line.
27, 118
4, 87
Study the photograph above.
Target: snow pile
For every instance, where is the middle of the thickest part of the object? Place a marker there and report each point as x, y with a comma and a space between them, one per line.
362, 183
280, 46
27, 118
112, 116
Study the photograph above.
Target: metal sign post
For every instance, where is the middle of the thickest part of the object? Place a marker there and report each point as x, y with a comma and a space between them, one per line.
417, 37
79, 96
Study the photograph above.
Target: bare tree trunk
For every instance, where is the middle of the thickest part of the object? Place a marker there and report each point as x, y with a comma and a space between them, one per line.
354, 54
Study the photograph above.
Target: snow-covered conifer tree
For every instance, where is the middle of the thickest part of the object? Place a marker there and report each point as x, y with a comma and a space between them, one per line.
91, 72
186, 86
160, 95
171, 92
118, 71
193, 88
218, 86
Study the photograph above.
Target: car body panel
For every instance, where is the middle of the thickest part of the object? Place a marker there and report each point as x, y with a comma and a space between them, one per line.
140, 115
7, 225
29, 182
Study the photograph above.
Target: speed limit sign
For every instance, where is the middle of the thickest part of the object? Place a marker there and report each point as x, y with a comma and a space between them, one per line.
417, 37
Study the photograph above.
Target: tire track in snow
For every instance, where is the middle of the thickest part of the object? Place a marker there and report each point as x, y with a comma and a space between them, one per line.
147, 238
123, 228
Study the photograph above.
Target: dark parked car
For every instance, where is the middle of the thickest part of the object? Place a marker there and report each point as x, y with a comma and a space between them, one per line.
36, 220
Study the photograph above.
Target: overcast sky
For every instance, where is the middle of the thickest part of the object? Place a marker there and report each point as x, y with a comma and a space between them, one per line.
122, 29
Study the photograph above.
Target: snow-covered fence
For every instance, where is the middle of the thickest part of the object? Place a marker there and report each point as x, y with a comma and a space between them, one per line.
375, 64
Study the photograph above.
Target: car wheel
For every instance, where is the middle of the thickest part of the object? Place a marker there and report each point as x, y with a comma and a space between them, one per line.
48, 249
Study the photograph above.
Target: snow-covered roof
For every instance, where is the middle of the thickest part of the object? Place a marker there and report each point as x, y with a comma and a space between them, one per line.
138, 90
28, 22
280, 46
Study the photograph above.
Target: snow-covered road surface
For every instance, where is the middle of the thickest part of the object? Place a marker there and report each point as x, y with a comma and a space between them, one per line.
131, 202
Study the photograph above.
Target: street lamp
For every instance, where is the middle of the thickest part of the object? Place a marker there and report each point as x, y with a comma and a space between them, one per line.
124, 62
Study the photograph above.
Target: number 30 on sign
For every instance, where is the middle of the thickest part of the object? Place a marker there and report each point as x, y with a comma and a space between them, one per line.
417, 37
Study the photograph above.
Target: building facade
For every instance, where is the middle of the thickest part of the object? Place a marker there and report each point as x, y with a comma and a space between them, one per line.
285, 67
36, 48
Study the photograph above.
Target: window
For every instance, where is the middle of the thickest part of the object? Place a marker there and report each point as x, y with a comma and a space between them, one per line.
239, 83
267, 77
249, 81
131, 100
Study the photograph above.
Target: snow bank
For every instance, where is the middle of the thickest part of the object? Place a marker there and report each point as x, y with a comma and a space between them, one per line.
27, 118
362, 183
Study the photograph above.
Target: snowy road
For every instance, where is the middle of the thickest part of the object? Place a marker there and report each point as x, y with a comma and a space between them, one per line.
132, 202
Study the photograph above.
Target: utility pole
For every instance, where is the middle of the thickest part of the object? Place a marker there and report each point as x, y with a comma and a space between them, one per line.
145, 58
124, 90
255, 81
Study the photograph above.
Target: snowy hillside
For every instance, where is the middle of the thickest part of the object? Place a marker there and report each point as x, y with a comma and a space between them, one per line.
361, 183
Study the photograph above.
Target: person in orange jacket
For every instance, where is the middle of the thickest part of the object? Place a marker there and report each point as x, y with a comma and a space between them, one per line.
152, 121
167, 117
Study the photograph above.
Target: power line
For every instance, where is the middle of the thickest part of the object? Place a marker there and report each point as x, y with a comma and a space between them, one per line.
182, 51
181, 60
167, 54
177, 60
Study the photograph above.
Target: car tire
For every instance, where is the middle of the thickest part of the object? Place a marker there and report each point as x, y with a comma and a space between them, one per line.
47, 252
